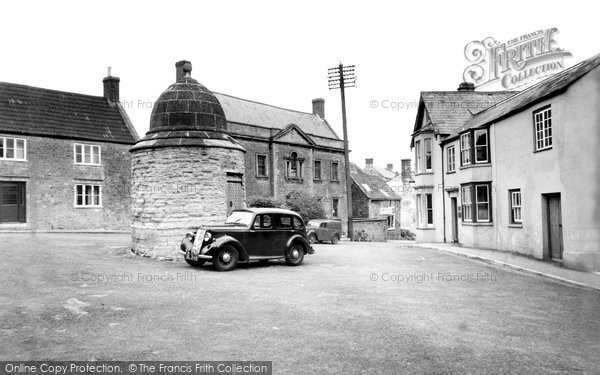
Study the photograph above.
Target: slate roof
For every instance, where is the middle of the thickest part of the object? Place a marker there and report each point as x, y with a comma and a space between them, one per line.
249, 112
377, 189
449, 110
36, 111
385, 173
541, 91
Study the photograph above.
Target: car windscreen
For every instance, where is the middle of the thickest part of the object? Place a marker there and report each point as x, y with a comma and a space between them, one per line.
240, 217
313, 223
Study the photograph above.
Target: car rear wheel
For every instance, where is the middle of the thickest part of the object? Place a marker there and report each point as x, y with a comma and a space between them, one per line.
335, 238
312, 238
195, 263
294, 255
225, 259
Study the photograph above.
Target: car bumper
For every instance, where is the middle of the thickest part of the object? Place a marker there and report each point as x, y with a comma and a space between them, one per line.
310, 250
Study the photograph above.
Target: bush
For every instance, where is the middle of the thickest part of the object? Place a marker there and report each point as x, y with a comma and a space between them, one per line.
268, 202
306, 205
406, 234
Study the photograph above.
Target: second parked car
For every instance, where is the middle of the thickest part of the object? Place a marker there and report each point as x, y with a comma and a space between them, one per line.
324, 230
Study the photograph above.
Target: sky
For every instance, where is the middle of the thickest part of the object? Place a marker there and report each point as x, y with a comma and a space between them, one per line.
277, 52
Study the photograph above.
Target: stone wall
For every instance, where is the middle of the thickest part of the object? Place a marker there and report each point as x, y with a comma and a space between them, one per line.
376, 229
50, 176
175, 190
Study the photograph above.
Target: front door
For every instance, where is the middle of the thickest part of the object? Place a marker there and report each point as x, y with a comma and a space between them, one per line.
454, 207
12, 202
235, 192
554, 220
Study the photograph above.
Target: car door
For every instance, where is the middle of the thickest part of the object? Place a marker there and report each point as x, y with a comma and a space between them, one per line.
322, 232
259, 236
284, 229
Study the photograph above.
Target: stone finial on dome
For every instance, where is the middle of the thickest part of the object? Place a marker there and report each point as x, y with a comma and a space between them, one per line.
183, 68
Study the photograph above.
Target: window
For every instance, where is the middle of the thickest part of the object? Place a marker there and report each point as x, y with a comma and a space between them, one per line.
476, 202
515, 206
482, 199
429, 206
418, 156
87, 154
419, 212
465, 149
285, 222
428, 154
294, 166
13, 148
467, 205
262, 222
335, 203
481, 146
543, 129
451, 159
88, 196
317, 170
334, 171
298, 223
261, 165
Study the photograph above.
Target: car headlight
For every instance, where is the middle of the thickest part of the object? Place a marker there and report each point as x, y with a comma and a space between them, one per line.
207, 237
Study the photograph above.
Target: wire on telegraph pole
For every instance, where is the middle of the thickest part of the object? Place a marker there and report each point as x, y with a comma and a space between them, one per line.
341, 77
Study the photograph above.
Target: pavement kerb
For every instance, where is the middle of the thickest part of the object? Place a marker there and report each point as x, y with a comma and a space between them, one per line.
511, 266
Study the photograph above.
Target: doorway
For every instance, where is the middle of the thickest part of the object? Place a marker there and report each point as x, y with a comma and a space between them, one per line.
454, 212
12, 202
235, 192
553, 233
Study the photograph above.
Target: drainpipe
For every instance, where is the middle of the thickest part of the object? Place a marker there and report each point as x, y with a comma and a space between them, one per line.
443, 192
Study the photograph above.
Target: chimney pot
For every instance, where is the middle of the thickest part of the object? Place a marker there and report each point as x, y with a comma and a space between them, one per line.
318, 107
111, 87
369, 161
390, 167
182, 68
466, 86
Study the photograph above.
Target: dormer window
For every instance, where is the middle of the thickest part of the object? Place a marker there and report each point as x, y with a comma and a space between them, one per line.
293, 169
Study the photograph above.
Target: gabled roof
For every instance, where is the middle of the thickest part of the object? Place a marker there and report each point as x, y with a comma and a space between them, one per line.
295, 127
30, 110
374, 187
449, 110
554, 85
386, 174
248, 112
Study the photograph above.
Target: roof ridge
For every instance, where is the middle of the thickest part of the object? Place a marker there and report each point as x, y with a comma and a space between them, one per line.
51, 90
268, 105
556, 76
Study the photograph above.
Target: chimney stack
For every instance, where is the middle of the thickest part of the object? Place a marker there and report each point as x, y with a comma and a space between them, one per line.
179, 71
390, 167
319, 107
369, 161
111, 87
466, 86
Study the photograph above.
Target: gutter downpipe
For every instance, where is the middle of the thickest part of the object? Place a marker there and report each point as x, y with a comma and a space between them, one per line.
443, 190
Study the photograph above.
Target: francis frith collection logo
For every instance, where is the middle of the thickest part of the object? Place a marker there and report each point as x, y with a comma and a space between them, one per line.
516, 63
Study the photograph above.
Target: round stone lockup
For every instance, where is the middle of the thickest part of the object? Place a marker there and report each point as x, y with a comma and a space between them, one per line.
183, 169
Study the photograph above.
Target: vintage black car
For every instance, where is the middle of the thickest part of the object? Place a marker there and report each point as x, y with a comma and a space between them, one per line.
320, 230
251, 234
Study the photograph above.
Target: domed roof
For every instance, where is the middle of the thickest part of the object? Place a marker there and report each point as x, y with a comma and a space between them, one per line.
187, 114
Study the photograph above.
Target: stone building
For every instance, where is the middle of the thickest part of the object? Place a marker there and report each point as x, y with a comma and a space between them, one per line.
372, 198
187, 171
64, 159
515, 175
289, 151
401, 184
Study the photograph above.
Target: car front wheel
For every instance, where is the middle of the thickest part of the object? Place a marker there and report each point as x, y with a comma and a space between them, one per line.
294, 255
335, 238
225, 259
312, 238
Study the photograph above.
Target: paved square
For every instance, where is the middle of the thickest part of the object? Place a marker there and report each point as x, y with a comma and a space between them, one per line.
350, 308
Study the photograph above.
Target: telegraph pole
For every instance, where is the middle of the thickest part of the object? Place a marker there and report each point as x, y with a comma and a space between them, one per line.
341, 77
